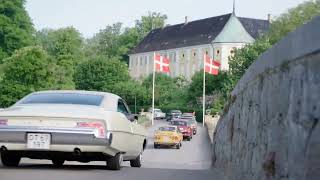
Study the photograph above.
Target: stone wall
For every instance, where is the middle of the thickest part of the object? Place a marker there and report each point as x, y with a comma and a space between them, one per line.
271, 129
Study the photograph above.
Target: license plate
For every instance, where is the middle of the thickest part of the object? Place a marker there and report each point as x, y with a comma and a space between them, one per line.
166, 139
38, 141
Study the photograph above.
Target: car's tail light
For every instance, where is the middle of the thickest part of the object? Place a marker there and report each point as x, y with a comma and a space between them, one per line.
100, 131
3, 122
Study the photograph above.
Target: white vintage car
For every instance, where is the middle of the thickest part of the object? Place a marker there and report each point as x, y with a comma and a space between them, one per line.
71, 126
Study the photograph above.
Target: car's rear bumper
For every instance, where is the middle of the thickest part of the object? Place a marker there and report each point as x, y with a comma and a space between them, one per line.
62, 140
167, 143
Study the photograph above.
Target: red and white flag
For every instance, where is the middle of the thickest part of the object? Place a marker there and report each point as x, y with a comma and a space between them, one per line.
161, 63
211, 66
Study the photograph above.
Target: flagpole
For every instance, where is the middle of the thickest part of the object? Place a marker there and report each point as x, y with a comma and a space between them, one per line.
153, 82
204, 91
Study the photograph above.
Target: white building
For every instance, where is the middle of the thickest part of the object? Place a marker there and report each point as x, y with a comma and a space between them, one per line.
185, 44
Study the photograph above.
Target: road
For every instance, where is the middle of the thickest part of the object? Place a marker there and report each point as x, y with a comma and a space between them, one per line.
192, 161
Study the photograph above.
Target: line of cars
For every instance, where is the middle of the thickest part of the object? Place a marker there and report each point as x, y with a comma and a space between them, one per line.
182, 126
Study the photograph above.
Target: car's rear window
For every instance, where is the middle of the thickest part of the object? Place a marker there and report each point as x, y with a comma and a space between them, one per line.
167, 129
64, 98
179, 123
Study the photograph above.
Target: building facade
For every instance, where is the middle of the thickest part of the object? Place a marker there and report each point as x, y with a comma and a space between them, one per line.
185, 44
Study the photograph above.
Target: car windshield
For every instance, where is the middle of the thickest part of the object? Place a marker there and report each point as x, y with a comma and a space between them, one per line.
175, 111
63, 98
167, 129
179, 123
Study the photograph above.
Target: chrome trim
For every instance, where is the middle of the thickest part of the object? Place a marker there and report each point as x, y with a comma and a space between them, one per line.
89, 131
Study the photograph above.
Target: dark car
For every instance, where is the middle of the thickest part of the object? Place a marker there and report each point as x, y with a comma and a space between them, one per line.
173, 114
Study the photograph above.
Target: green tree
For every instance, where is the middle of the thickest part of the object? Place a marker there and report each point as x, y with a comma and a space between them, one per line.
152, 21
27, 70
16, 29
108, 43
65, 49
213, 83
166, 90
100, 74
132, 91
294, 18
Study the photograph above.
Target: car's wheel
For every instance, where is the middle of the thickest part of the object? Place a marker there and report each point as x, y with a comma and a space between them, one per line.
178, 146
10, 159
194, 132
136, 162
115, 162
57, 162
156, 146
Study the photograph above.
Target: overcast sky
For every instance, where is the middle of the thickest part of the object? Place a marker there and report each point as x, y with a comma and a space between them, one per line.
89, 16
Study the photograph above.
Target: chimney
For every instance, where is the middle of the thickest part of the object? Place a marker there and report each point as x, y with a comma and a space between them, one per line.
269, 18
186, 20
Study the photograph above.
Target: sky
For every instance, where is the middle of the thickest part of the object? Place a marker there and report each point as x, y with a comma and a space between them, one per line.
90, 16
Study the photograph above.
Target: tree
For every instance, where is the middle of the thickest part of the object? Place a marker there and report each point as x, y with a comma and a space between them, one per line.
27, 70
152, 21
64, 46
213, 83
16, 29
108, 43
100, 74
167, 93
132, 91
294, 18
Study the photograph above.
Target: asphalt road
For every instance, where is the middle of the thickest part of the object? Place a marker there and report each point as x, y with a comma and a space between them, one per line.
192, 161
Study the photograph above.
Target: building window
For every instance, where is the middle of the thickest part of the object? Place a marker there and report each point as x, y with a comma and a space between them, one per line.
218, 51
137, 61
140, 61
183, 55
232, 51
145, 60
194, 54
206, 52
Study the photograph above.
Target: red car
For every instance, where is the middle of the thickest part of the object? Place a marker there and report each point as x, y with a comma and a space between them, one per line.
184, 127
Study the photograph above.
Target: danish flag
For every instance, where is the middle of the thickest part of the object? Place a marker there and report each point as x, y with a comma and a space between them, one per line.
161, 63
211, 66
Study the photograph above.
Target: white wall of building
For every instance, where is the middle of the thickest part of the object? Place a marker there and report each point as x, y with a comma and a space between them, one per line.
183, 61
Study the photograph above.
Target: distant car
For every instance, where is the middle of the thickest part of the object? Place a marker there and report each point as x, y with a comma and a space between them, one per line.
64, 126
192, 121
184, 127
168, 136
158, 114
173, 114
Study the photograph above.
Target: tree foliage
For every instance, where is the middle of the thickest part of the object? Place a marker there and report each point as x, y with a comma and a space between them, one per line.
100, 74
294, 18
64, 46
27, 70
16, 29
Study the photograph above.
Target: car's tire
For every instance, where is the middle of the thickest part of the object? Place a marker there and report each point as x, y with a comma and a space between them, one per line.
178, 146
194, 132
57, 162
9, 159
115, 162
137, 162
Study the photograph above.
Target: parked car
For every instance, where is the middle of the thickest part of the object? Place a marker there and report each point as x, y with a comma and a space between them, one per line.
168, 136
71, 126
184, 127
158, 114
192, 121
173, 114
